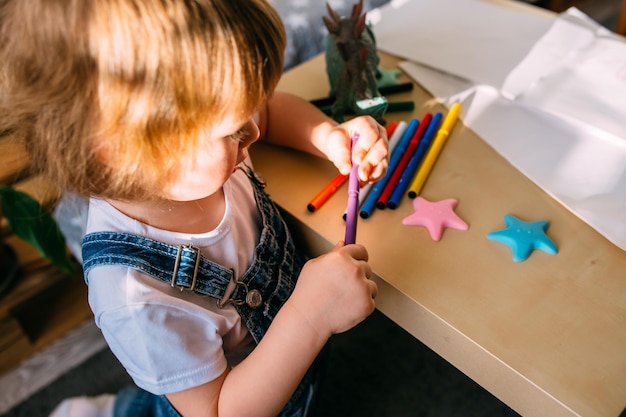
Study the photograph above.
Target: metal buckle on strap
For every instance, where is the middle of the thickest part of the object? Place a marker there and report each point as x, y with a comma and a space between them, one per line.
194, 278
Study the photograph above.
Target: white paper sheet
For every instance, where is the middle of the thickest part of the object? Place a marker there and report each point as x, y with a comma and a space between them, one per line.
583, 170
559, 121
577, 70
473, 39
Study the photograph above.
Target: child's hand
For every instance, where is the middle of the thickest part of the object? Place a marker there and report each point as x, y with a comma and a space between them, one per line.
371, 152
334, 292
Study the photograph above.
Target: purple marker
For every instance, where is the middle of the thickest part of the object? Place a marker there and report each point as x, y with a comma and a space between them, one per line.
353, 199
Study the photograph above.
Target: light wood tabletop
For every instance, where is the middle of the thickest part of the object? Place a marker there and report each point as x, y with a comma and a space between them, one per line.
547, 335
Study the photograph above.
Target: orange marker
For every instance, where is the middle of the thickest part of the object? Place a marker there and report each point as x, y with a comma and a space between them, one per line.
391, 127
326, 192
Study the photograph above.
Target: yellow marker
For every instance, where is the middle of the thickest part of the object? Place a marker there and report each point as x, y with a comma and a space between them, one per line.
427, 164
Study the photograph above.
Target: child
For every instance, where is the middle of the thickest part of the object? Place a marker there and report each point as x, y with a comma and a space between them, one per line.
148, 107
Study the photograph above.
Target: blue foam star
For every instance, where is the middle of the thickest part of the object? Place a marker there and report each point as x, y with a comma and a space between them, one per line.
524, 237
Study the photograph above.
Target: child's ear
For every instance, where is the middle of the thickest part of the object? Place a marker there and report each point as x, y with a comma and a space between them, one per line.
101, 150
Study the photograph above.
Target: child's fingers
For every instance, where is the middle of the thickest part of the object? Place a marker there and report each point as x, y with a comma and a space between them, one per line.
370, 150
372, 140
355, 251
371, 153
339, 150
372, 173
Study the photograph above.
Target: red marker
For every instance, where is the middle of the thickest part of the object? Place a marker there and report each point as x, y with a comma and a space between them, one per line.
404, 161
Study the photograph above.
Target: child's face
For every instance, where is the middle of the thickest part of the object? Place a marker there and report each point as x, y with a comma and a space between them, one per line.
219, 153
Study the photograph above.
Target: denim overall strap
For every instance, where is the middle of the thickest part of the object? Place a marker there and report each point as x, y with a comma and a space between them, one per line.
275, 270
180, 266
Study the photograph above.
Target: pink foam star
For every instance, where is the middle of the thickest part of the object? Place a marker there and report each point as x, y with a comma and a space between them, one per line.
435, 216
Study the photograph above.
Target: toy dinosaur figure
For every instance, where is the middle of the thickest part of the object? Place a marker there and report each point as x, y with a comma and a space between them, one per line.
352, 65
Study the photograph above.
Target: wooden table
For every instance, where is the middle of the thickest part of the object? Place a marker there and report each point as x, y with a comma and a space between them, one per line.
547, 336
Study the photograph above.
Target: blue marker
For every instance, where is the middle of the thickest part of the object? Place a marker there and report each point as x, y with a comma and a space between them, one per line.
414, 162
396, 155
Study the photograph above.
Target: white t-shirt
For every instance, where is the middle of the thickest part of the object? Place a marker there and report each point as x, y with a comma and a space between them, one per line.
169, 340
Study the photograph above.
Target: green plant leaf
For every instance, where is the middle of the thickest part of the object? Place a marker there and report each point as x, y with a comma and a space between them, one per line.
34, 224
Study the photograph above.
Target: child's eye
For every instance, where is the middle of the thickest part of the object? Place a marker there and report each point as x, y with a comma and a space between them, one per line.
240, 135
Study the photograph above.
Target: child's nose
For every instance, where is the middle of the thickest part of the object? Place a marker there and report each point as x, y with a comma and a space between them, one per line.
252, 135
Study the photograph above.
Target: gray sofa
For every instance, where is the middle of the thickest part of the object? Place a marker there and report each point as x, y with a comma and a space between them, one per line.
306, 33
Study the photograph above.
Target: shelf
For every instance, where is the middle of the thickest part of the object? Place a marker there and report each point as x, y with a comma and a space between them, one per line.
44, 303
43, 306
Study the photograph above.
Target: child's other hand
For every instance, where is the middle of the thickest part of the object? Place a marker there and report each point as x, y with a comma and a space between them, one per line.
371, 152
334, 292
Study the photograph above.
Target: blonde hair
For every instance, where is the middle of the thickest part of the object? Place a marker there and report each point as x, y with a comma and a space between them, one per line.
110, 95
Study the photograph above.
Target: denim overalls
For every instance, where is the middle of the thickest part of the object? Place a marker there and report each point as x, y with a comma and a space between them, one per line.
257, 297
